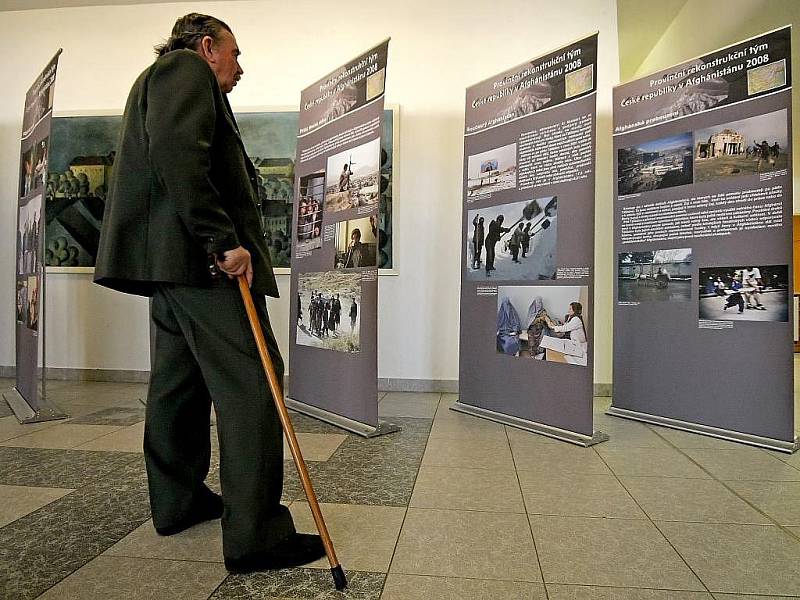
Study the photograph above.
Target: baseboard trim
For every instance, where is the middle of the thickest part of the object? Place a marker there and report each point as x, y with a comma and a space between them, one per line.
385, 384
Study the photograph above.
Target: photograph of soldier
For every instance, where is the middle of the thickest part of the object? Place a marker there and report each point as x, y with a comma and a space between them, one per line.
356, 244
491, 171
519, 240
32, 313
309, 215
40, 156
750, 146
744, 293
22, 299
655, 165
26, 173
321, 299
655, 275
547, 323
353, 177
29, 229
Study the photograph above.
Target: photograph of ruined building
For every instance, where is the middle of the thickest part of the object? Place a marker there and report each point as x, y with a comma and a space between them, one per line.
662, 163
747, 147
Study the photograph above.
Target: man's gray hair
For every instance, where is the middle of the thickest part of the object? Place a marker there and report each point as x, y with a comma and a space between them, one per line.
189, 30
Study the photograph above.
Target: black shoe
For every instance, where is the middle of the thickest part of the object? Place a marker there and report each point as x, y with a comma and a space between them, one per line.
209, 510
298, 549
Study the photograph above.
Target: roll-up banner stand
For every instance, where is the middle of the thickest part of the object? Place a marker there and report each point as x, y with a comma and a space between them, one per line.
528, 246
703, 310
28, 399
333, 358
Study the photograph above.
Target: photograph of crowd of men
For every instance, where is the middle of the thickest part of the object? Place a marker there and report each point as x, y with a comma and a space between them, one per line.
356, 243
28, 301
757, 144
744, 293
309, 215
491, 171
543, 323
353, 177
513, 241
655, 165
33, 169
655, 275
328, 310
29, 236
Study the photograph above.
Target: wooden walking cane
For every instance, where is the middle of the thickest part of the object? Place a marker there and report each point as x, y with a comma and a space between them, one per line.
339, 578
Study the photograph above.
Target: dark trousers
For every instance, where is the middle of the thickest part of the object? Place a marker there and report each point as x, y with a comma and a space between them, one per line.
204, 352
490, 256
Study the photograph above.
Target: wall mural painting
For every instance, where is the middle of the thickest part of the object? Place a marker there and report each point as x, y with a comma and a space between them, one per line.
82, 161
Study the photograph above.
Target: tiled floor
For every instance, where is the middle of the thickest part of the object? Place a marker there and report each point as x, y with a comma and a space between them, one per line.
452, 508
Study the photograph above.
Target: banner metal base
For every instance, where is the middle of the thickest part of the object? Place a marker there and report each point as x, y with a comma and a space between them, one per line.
362, 429
723, 434
26, 414
554, 432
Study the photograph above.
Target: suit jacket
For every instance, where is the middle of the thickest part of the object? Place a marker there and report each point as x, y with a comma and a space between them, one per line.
183, 186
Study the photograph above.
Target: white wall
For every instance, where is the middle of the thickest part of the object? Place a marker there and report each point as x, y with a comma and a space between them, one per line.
437, 50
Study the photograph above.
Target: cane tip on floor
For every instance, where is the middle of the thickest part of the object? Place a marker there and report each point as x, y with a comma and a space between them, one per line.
339, 578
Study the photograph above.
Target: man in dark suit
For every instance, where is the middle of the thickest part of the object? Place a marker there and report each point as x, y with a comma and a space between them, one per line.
185, 193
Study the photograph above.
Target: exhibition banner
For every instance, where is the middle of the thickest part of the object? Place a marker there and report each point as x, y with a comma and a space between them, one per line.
29, 264
333, 359
703, 244
528, 245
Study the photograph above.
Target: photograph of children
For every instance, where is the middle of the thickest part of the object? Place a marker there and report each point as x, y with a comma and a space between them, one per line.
356, 243
29, 229
329, 310
32, 314
655, 275
745, 293
756, 145
543, 323
662, 163
26, 173
353, 177
766, 77
309, 216
22, 299
513, 241
492, 171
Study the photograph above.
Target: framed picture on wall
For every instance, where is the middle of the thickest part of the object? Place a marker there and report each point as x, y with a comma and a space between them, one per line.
83, 148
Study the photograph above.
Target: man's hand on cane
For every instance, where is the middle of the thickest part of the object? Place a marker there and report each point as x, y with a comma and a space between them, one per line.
237, 262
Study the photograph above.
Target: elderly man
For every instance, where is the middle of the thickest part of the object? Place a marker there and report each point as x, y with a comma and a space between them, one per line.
184, 195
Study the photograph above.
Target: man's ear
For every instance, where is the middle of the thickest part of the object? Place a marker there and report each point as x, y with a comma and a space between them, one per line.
206, 48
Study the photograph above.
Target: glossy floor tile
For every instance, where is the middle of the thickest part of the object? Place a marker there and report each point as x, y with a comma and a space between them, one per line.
467, 489
108, 577
739, 559
609, 552
364, 536
18, 501
466, 544
436, 510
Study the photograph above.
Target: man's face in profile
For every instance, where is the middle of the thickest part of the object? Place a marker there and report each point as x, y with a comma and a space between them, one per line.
224, 61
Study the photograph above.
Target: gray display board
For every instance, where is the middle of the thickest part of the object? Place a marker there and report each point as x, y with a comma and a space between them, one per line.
333, 359
27, 398
528, 244
703, 244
